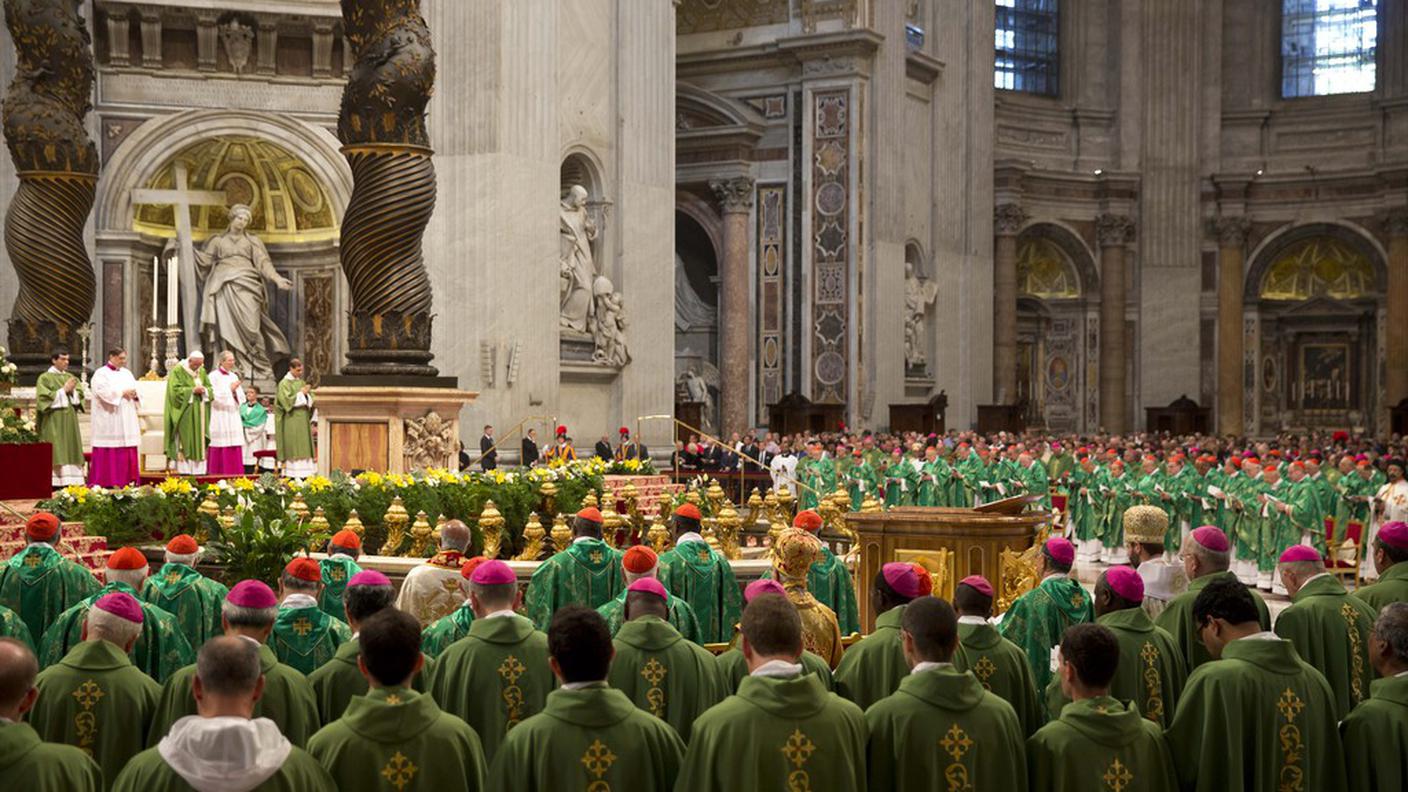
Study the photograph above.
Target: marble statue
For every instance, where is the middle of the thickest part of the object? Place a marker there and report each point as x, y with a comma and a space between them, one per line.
607, 325
577, 271
234, 309
919, 294
696, 390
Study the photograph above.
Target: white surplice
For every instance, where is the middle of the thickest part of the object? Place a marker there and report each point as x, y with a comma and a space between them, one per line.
115, 423
226, 428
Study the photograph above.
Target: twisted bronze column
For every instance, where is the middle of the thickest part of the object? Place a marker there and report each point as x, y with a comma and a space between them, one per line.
382, 128
57, 166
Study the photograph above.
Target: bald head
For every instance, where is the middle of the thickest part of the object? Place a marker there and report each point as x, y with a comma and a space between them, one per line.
454, 536
228, 666
18, 667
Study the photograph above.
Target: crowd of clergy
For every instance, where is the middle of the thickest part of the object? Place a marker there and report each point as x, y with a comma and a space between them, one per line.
597, 676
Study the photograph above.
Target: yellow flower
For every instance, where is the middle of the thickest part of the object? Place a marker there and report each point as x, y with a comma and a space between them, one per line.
498, 476
319, 483
370, 478
243, 484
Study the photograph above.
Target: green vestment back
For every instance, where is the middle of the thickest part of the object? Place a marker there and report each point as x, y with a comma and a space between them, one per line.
148, 772
1375, 738
28, 763
1038, 618
1001, 667
287, 700
447, 629
681, 616
1392, 586
701, 576
1330, 630
1177, 620
336, 682
872, 668
194, 599
664, 674
336, 569
12, 626
1150, 670
161, 647
586, 573
39, 584
306, 638
1100, 744
733, 668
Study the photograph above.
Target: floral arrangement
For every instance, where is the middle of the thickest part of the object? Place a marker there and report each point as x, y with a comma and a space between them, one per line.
14, 427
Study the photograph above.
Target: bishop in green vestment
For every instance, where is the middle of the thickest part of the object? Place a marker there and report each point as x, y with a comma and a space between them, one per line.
304, 636
999, 665
1376, 732
94, 698
702, 577
1257, 715
293, 423
733, 666
1037, 619
191, 597
26, 762
226, 744
12, 626
186, 416
58, 396
639, 562
1328, 627
1205, 556
1391, 561
1032, 476
498, 675
657, 668
338, 567
161, 648
782, 729
587, 573
980, 742
871, 669
447, 629
37, 582
391, 732
248, 613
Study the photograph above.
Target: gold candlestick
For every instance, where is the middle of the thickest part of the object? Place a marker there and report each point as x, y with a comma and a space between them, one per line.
532, 539
395, 519
491, 528
421, 535
561, 534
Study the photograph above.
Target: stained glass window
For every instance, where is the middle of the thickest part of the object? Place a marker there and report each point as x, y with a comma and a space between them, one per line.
1026, 46
1328, 46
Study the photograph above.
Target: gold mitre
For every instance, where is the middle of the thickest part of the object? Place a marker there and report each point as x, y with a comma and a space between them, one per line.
1145, 524
794, 553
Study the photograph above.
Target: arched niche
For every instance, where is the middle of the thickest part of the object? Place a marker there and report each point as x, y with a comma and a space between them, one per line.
1327, 261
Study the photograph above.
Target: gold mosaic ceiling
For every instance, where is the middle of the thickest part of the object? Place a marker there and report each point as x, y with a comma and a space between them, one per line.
1044, 271
1318, 267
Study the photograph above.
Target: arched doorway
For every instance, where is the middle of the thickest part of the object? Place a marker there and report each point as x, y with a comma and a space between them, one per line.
697, 316
1057, 307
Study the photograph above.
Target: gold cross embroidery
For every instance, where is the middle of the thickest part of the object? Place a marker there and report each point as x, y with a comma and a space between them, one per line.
399, 771
956, 742
86, 722
511, 669
338, 574
172, 578
598, 759
799, 748
704, 554
88, 694
1290, 705
1149, 654
654, 671
595, 556
985, 668
1117, 776
392, 698
1356, 663
1078, 599
302, 627
33, 560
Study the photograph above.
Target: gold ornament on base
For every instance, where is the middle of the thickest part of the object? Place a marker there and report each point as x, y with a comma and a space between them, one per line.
532, 539
319, 524
715, 494
728, 525
491, 528
659, 537
421, 534
549, 492
396, 519
785, 504
589, 500
299, 508
610, 524
561, 534
354, 524
208, 508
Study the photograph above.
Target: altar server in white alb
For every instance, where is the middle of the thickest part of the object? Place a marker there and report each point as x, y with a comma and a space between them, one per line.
226, 454
116, 430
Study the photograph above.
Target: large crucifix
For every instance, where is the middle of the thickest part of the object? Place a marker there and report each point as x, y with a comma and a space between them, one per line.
181, 199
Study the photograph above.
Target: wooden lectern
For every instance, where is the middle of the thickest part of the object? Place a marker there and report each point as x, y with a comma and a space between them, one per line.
951, 543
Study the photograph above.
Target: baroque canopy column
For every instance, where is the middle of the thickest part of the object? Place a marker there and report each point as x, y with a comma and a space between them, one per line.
1396, 339
1114, 233
1231, 265
1007, 221
736, 199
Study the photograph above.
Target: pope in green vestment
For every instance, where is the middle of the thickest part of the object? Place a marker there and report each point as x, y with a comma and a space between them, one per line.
1375, 737
663, 673
397, 738
338, 681
304, 636
447, 629
999, 666
149, 772
592, 738
1097, 744
337, 569
1177, 618
30, 764
681, 617
161, 648
56, 422
186, 417
1330, 630
1037, 619
287, 700
39, 584
293, 419
12, 626
733, 668
96, 700
703, 577
871, 669
191, 597
495, 677
1150, 671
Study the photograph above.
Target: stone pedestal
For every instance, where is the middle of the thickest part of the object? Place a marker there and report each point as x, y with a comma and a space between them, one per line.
388, 429
1231, 260
1114, 233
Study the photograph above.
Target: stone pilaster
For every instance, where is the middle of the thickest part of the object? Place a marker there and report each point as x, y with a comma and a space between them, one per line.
1396, 347
1231, 260
322, 48
1114, 233
119, 53
736, 200
151, 38
268, 45
1008, 219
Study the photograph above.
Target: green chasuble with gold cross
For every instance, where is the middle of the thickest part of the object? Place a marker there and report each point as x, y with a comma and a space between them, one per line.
337, 681
59, 426
28, 763
39, 584
591, 739
96, 700
148, 772
1375, 738
293, 422
447, 629
396, 738
12, 626
1391, 587
1253, 720
306, 637
703, 577
979, 742
186, 416
494, 678
1150, 671
681, 616
1036, 621
287, 700
1001, 667
161, 647
1177, 619
587, 573
733, 667
1330, 630
337, 569
873, 667
1103, 744
777, 733
830, 582
664, 674
194, 599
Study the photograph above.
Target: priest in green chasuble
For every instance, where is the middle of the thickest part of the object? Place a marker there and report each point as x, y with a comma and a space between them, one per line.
293, 423
980, 742
589, 735
58, 396
639, 562
999, 665
1375, 734
161, 648
782, 729
1328, 627
664, 674
185, 593
447, 629
338, 567
873, 667
226, 747
1390, 554
248, 614
304, 636
94, 698
1038, 618
186, 416
26, 762
1206, 557
702, 577
37, 582
734, 666
1257, 715
1098, 742
391, 736
497, 676
588, 572
12, 626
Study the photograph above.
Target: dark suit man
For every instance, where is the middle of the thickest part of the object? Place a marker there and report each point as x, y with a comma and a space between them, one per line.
530, 449
490, 455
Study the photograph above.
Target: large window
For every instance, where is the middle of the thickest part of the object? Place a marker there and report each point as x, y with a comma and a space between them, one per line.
1328, 46
1026, 57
